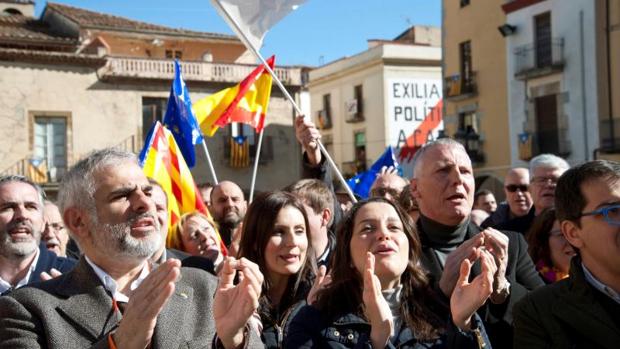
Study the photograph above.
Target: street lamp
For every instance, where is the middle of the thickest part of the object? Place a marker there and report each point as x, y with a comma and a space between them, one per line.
507, 29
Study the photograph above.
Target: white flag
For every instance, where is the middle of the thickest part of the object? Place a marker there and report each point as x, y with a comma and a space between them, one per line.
251, 19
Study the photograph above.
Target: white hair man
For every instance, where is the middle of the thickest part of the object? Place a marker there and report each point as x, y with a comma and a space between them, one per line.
545, 170
105, 201
443, 186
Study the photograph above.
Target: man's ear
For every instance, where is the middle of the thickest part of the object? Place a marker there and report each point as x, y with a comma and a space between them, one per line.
77, 221
572, 232
413, 186
326, 217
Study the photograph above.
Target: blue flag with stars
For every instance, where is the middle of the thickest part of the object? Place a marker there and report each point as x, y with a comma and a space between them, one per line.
180, 119
361, 183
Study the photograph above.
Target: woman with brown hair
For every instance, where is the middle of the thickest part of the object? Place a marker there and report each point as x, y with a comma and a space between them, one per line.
276, 237
548, 247
380, 296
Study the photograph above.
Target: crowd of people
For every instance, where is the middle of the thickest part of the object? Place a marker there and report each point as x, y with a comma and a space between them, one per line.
425, 262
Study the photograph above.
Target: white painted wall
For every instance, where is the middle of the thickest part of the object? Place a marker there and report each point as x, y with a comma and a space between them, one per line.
374, 69
565, 23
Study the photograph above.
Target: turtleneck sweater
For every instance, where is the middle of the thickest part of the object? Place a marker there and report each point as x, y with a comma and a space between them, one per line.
443, 239
392, 297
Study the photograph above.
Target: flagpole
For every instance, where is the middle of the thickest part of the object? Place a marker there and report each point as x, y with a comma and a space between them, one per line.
288, 96
260, 143
204, 147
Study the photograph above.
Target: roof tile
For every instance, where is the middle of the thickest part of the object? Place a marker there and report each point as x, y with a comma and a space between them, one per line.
91, 19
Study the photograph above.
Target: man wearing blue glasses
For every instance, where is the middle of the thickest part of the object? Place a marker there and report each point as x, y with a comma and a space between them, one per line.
584, 309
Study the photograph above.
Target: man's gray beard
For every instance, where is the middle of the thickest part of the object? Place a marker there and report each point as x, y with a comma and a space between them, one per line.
19, 249
116, 239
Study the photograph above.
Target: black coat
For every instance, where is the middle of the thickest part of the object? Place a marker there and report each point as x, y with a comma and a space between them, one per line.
520, 273
570, 313
307, 328
47, 261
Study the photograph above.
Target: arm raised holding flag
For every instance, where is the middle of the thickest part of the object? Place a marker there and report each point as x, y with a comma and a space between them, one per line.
250, 20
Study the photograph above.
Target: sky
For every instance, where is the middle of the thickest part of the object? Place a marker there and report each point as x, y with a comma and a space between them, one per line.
318, 32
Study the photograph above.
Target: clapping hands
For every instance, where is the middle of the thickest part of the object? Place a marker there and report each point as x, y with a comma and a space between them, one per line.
234, 304
469, 296
375, 306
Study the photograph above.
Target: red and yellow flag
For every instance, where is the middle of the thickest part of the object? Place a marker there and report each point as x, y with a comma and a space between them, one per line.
246, 102
162, 160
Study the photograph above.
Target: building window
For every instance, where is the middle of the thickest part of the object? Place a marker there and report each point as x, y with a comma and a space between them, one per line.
360, 151
358, 93
542, 40
325, 114
153, 109
466, 66
354, 107
464, 3
50, 144
170, 54
241, 146
547, 132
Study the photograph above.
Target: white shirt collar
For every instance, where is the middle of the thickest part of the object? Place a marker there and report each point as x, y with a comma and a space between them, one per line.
110, 284
5, 286
610, 292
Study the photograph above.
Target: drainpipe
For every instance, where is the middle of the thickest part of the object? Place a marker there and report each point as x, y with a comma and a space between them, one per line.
612, 131
583, 88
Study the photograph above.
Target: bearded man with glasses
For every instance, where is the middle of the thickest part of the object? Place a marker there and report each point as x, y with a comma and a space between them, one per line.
584, 309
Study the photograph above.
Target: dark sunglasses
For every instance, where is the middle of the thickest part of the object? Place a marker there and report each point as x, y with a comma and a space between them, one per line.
514, 187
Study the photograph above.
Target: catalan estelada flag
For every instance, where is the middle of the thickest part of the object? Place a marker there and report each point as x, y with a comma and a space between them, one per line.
239, 152
162, 160
246, 102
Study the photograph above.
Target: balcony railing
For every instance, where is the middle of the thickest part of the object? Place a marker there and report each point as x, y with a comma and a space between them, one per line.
41, 173
458, 87
538, 59
142, 68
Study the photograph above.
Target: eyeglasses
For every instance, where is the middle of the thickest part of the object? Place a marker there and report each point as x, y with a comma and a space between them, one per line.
545, 180
514, 187
610, 213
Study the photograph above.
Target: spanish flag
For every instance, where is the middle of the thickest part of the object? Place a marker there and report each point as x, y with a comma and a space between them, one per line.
162, 160
246, 102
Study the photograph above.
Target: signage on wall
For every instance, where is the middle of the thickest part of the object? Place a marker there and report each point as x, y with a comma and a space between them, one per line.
414, 114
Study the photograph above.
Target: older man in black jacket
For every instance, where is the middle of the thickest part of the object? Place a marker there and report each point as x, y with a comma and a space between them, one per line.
443, 185
582, 311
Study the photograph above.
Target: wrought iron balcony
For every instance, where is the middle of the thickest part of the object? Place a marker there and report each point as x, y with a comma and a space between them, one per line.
146, 68
539, 58
460, 87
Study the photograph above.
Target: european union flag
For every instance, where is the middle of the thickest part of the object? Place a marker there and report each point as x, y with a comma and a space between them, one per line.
361, 183
180, 119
